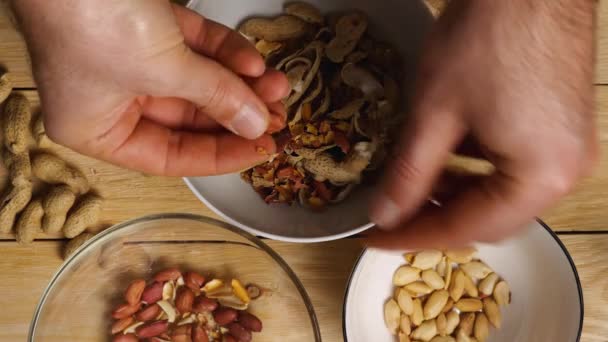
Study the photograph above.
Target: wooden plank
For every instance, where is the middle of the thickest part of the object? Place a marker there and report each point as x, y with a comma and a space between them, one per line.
585, 208
602, 47
589, 253
13, 51
322, 268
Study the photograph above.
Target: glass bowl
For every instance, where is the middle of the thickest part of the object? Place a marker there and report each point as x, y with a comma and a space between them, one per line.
77, 304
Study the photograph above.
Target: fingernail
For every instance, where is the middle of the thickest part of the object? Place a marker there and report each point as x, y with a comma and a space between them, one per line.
385, 213
249, 122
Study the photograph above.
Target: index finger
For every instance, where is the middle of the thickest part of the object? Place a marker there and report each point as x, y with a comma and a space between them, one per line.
140, 144
219, 42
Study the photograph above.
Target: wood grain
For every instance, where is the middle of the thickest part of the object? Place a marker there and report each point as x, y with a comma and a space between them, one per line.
585, 208
13, 51
589, 253
602, 47
323, 269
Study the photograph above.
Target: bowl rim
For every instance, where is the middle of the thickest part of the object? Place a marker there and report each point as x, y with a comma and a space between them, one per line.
257, 232
180, 216
538, 221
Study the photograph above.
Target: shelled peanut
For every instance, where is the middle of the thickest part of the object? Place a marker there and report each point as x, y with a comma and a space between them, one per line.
184, 307
445, 296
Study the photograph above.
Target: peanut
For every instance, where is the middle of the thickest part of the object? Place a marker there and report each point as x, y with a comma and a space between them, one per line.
405, 275
418, 288
184, 300
152, 329
427, 259
405, 324
305, 11
457, 286
229, 338
482, 328
194, 281
85, 214
75, 243
443, 339
349, 30
426, 331
238, 331
467, 320
486, 286
15, 123
281, 28
250, 321
134, 291
19, 167
453, 319
203, 304
148, 313
418, 314
404, 299
121, 324
266, 48
225, 316
470, 288
125, 338
433, 279
6, 87
125, 310
51, 169
153, 293
502, 293
435, 303
198, 334
392, 314
30, 222
56, 203
492, 311
170, 274
462, 255
239, 291
39, 132
476, 269
469, 305
442, 324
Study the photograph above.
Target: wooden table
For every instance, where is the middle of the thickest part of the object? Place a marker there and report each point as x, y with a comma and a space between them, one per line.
581, 221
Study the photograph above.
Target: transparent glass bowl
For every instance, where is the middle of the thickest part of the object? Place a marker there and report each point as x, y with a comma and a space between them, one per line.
77, 303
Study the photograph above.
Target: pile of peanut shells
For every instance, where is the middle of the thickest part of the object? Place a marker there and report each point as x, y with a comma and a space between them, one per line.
445, 297
186, 308
343, 104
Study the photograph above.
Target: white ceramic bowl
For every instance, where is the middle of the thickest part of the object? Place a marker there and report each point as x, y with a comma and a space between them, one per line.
401, 23
547, 298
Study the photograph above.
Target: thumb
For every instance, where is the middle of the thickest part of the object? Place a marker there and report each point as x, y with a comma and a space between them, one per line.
433, 132
217, 91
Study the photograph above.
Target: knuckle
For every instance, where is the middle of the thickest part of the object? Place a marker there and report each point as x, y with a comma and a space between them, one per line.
404, 170
217, 98
558, 179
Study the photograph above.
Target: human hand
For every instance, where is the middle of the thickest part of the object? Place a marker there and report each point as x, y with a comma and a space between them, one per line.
151, 86
517, 77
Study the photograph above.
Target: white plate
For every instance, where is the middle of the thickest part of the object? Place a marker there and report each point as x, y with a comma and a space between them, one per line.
547, 299
402, 23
